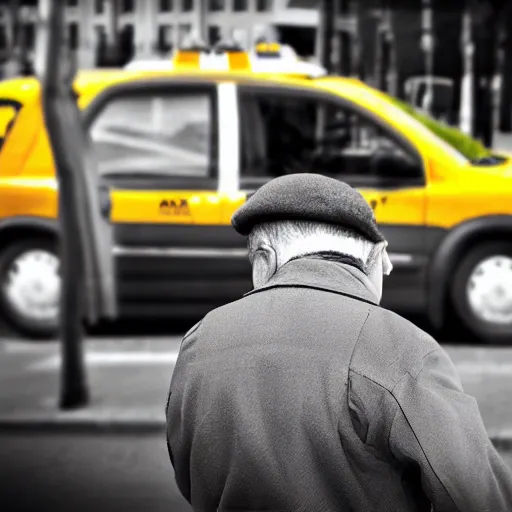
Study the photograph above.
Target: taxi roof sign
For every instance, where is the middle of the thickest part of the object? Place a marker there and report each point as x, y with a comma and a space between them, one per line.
187, 59
231, 57
227, 47
238, 58
268, 50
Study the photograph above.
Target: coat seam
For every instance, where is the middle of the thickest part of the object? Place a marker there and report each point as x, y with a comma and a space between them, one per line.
421, 448
415, 377
191, 331
313, 287
349, 394
399, 408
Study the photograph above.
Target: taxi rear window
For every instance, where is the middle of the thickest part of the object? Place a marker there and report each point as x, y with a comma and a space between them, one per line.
9, 110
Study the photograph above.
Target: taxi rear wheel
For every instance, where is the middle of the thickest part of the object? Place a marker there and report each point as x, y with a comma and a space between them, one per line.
30, 287
482, 292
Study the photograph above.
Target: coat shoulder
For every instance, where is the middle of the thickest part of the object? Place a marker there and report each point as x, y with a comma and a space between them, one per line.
193, 329
389, 346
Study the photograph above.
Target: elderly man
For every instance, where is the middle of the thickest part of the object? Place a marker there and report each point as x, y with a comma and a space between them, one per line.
306, 395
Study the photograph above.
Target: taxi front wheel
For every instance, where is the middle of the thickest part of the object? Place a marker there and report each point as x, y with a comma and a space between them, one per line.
30, 287
482, 291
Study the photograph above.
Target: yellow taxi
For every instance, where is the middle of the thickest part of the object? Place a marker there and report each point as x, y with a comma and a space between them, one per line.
182, 142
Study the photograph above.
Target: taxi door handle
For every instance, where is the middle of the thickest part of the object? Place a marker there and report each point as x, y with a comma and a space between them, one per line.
105, 201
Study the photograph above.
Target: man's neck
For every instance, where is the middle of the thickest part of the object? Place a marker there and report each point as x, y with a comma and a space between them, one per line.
336, 257
315, 272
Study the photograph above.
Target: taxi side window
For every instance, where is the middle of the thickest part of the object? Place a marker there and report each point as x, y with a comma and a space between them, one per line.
283, 134
156, 133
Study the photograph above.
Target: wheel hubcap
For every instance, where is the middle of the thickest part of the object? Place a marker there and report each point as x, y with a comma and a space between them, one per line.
32, 285
489, 290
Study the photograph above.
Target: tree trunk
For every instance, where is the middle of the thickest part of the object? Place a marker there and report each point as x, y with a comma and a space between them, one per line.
326, 33
406, 25
505, 113
484, 21
12, 66
345, 38
448, 57
112, 56
367, 31
384, 49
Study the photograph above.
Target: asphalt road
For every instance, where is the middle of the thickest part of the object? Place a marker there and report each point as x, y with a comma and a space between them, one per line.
78, 473
50, 472
89, 474
91, 471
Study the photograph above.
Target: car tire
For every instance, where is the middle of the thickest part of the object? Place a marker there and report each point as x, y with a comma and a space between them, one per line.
30, 287
481, 292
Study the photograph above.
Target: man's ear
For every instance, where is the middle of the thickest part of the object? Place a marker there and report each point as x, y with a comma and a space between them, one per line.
264, 265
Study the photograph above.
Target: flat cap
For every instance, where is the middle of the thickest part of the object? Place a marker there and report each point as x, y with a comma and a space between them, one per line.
310, 197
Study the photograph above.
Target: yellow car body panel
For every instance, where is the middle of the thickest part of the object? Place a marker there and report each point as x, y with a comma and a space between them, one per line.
161, 207
408, 205
465, 196
455, 192
28, 196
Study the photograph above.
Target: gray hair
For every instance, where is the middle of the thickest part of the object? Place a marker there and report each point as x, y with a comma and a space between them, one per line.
292, 239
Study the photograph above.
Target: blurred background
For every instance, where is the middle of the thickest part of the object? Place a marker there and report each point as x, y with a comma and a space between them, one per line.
449, 66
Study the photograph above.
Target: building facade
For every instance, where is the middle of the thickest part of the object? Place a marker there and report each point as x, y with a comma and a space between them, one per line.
152, 27
388, 43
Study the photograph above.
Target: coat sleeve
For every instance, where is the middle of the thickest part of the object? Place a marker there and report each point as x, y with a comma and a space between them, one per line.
437, 428
178, 427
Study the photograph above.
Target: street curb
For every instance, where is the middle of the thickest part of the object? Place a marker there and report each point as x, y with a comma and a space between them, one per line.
84, 423
119, 423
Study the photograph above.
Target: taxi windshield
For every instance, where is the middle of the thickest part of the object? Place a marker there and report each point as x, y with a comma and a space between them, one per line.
470, 148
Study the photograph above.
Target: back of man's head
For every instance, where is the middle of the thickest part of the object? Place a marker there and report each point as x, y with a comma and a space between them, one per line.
300, 214
273, 244
295, 239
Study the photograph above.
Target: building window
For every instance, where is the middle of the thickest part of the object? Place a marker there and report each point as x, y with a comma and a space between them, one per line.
165, 5
3, 37
263, 5
303, 4
183, 31
127, 43
72, 3
73, 35
173, 135
214, 34
29, 35
165, 38
187, 5
240, 5
99, 6
100, 45
127, 6
100, 32
216, 5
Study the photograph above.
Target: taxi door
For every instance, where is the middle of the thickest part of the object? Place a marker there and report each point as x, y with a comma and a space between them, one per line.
161, 147
284, 130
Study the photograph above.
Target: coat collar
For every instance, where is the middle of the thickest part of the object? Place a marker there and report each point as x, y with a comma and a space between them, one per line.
324, 275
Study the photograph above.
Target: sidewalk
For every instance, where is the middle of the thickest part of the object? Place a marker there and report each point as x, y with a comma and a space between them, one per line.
129, 380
